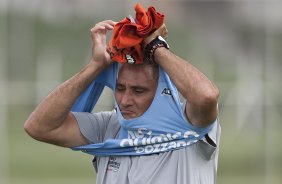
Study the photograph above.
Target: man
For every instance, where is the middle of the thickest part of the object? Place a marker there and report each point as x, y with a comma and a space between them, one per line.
136, 85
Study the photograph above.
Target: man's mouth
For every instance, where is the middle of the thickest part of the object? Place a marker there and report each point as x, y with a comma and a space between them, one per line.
127, 113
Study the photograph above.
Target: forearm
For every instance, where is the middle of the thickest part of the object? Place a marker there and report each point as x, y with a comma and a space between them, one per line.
53, 110
190, 82
201, 94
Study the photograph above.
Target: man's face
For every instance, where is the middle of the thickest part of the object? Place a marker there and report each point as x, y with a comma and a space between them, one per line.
135, 89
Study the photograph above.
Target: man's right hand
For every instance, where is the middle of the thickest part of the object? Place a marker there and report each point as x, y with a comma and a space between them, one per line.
99, 43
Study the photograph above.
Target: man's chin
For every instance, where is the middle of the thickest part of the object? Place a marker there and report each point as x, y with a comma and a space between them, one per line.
129, 115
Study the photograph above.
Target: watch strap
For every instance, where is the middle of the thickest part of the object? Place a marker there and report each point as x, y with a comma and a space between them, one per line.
150, 48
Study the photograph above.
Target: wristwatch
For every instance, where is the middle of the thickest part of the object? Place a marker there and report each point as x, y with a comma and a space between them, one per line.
159, 41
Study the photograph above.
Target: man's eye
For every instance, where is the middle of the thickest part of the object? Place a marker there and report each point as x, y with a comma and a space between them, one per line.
139, 91
119, 88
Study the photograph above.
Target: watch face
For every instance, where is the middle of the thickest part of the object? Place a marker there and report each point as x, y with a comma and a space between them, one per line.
161, 38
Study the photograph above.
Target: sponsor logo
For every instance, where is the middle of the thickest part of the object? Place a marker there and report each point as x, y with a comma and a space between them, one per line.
144, 141
113, 164
166, 91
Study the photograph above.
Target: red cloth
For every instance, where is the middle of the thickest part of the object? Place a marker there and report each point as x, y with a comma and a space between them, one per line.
128, 36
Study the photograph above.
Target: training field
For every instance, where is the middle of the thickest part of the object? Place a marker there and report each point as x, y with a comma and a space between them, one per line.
236, 44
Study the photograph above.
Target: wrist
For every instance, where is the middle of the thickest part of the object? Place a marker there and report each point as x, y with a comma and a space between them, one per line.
155, 44
146, 42
98, 65
158, 53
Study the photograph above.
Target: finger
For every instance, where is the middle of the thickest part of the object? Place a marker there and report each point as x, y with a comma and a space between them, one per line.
110, 22
107, 23
109, 27
96, 27
102, 26
98, 30
165, 33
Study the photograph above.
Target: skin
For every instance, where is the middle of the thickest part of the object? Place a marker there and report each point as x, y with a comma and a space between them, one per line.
52, 122
135, 89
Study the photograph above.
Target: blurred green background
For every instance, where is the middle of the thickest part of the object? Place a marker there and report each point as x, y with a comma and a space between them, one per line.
237, 44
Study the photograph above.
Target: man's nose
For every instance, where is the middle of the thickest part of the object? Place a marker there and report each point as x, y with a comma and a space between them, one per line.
126, 99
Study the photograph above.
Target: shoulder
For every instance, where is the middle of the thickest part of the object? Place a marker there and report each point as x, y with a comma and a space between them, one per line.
102, 118
96, 127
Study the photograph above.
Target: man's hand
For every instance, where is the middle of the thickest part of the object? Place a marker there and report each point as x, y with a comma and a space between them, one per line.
162, 31
99, 43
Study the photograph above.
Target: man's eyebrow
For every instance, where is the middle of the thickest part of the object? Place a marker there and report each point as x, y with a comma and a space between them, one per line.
119, 83
139, 87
